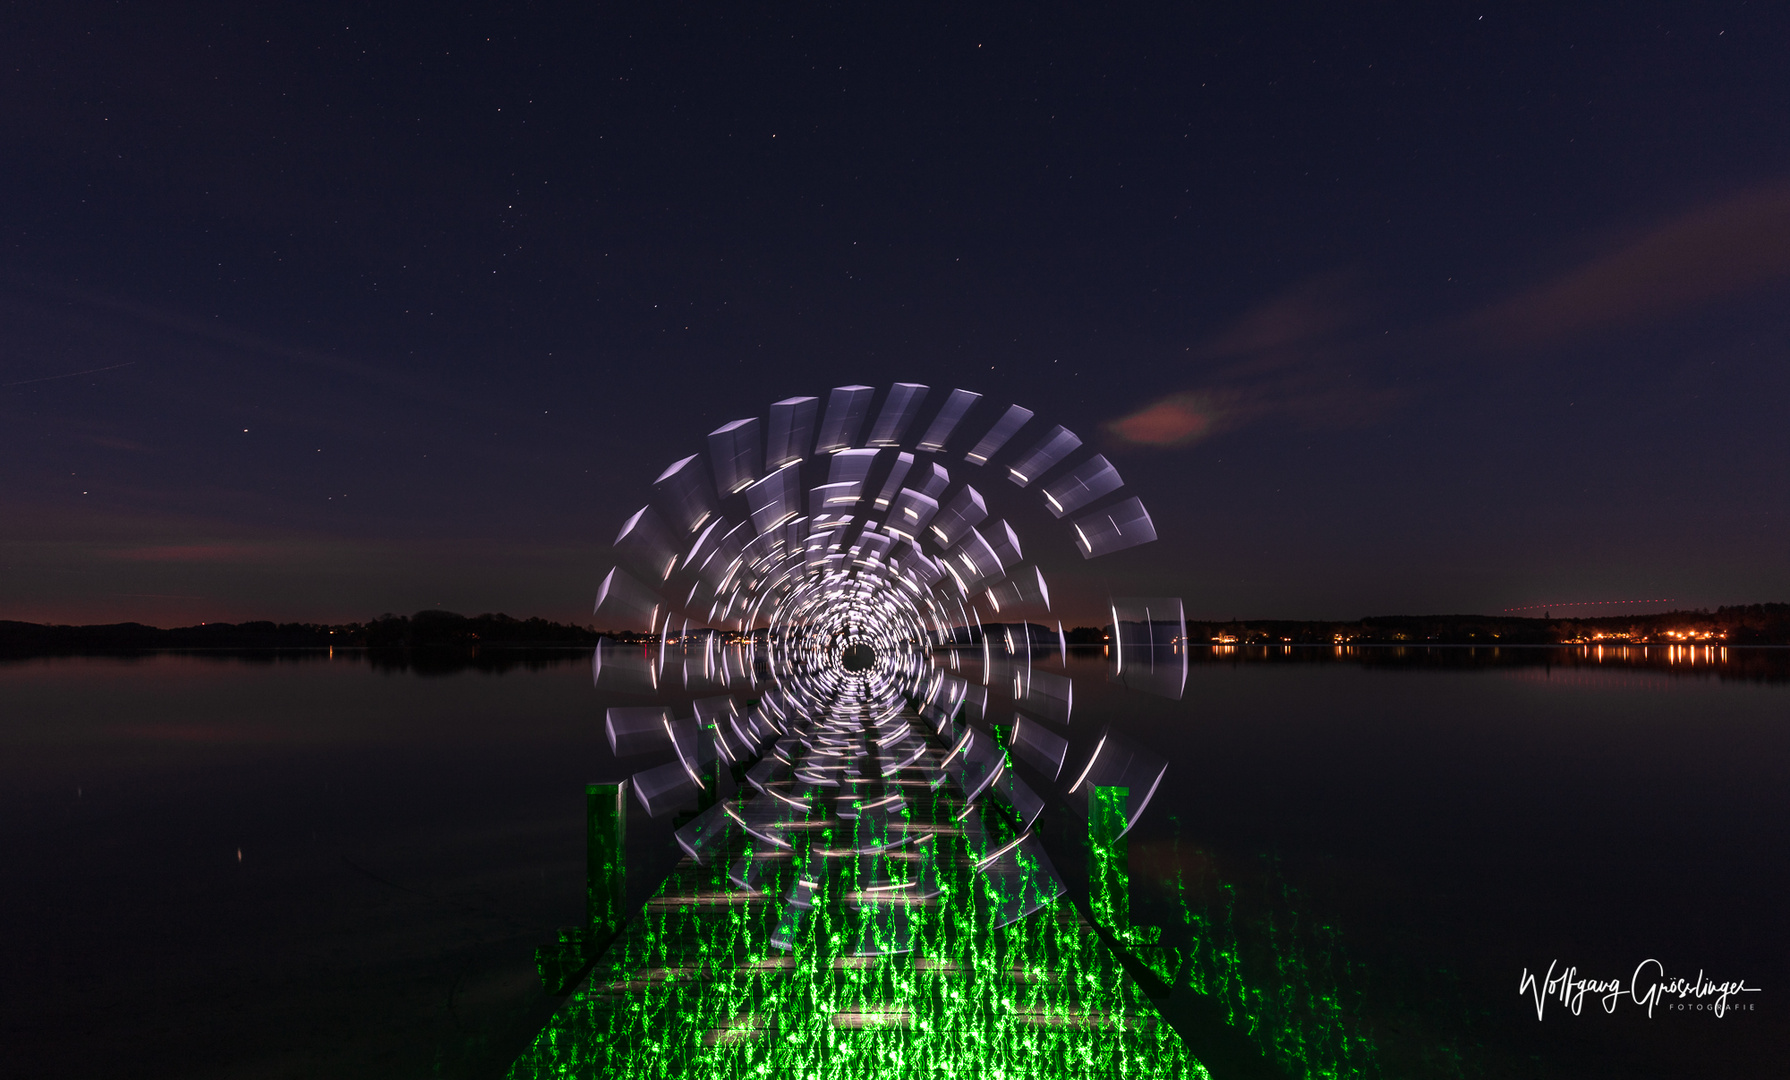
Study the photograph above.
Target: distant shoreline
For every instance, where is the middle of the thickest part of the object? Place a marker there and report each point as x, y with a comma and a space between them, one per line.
523, 647
1740, 625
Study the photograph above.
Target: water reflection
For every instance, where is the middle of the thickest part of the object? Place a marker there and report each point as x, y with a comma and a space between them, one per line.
1364, 847
1750, 663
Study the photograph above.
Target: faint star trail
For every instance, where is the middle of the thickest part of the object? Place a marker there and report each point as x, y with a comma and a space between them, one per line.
70, 375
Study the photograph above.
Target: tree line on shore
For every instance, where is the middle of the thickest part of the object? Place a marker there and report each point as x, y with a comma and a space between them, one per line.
425, 628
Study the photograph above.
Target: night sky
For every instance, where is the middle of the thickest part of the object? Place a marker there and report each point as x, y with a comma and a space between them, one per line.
316, 311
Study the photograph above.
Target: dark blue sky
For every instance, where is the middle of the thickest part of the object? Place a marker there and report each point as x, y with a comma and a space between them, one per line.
1406, 308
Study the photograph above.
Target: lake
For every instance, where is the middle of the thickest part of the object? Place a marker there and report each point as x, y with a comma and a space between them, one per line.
312, 864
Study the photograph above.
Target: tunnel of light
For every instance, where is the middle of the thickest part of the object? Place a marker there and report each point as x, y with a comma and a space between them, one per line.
864, 711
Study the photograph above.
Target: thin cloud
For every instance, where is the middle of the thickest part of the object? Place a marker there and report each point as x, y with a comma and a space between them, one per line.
1723, 249
203, 553
1176, 420
1307, 355
1300, 356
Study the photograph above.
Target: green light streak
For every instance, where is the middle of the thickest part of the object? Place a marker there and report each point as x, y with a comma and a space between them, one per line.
1278, 976
694, 987
931, 940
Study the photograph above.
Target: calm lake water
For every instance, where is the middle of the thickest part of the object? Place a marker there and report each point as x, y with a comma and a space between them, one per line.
305, 865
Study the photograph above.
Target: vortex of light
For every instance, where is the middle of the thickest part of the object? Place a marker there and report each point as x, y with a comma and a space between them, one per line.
804, 538
834, 579
835, 622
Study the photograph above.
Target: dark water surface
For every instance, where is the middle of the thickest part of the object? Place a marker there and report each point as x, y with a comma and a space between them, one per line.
304, 865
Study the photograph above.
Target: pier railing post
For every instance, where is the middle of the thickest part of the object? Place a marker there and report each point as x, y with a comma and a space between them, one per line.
1109, 882
1109, 885
605, 873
